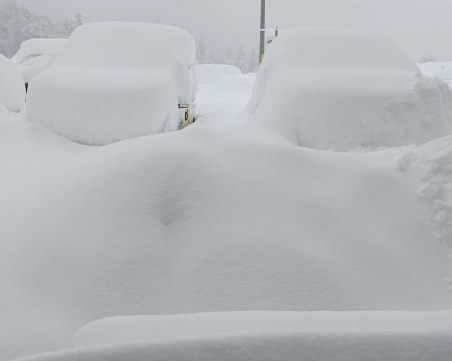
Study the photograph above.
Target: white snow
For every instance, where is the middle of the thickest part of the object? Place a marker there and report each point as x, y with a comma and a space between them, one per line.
12, 90
339, 89
271, 336
130, 329
227, 96
440, 69
35, 55
221, 217
33, 48
212, 73
114, 81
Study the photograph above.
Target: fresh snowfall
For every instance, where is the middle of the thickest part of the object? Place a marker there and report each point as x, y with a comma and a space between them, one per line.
305, 215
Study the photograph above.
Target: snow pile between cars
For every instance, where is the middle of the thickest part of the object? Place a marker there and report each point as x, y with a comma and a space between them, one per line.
12, 90
212, 73
114, 81
339, 89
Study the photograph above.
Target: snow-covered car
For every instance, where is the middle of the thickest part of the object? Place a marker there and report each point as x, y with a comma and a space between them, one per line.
35, 55
115, 81
440, 69
341, 89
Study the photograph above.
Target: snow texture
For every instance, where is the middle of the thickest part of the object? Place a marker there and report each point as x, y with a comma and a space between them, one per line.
212, 73
33, 48
246, 222
320, 337
339, 89
95, 94
129, 329
12, 91
435, 163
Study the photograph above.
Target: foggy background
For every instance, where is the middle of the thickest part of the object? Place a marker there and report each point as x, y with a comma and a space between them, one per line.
419, 27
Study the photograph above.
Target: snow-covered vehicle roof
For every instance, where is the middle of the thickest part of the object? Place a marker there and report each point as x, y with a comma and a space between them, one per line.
35, 55
114, 81
33, 48
339, 89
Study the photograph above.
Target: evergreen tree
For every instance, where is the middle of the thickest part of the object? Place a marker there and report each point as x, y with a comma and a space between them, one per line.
240, 62
229, 60
253, 64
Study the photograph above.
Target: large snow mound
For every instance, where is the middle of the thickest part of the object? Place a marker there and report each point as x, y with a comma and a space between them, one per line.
246, 221
212, 73
339, 89
12, 90
115, 81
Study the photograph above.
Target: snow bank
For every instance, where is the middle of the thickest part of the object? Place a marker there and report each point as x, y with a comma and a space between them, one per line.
131, 329
212, 73
12, 91
115, 81
339, 89
33, 48
434, 161
324, 337
246, 221
227, 96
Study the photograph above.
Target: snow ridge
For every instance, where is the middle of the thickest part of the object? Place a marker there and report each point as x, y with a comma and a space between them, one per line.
435, 161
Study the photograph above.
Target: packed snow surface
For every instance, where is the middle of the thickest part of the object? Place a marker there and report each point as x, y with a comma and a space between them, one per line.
339, 89
114, 81
12, 91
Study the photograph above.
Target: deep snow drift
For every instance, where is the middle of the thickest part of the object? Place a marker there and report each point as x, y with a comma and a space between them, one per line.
136, 228
229, 215
115, 81
339, 89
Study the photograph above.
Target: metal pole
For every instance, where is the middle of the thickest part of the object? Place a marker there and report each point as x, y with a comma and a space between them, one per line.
262, 32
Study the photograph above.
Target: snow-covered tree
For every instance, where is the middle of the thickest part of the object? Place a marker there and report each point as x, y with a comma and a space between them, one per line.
253, 64
18, 24
201, 50
241, 62
229, 56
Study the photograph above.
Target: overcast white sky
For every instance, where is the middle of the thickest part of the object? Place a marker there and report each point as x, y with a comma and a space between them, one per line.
417, 26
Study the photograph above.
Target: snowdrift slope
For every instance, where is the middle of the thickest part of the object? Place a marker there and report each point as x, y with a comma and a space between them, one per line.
212, 218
